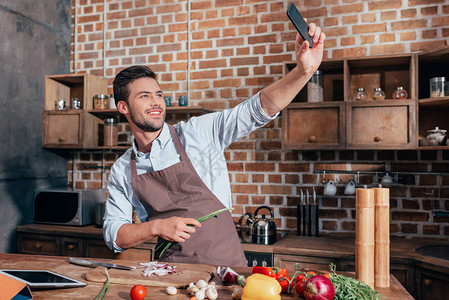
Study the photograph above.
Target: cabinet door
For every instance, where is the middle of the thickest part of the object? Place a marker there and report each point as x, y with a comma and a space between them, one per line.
98, 249
62, 129
432, 285
306, 262
388, 124
314, 125
36, 244
71, 247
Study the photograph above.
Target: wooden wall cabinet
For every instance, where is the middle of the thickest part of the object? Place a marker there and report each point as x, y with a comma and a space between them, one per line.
389, 124
371, 124
311, 125
431, 285
69, 129
433, 112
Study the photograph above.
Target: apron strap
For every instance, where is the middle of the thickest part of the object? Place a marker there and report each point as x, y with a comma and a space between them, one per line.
178, 144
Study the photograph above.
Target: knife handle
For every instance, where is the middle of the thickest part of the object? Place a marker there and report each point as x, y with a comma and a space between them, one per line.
79, 261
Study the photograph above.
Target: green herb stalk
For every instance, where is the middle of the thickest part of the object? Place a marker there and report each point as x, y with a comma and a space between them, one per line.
105, 289
167, 244
347, 288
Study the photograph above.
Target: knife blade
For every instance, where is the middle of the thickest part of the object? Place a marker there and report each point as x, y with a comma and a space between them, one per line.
88, 263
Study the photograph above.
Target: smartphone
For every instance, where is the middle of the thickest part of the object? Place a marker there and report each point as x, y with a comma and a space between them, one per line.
297, 20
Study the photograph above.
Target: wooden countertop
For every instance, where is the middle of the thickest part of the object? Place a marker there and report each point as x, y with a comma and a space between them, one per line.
402, 251
60, 265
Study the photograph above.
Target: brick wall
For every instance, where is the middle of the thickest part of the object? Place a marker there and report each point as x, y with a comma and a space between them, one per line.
229, 50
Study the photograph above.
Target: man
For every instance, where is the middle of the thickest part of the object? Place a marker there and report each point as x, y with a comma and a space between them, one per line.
173, 175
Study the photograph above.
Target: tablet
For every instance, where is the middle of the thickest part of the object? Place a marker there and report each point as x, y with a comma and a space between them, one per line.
41, 279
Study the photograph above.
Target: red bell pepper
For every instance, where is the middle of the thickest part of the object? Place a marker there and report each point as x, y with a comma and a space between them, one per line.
264, 270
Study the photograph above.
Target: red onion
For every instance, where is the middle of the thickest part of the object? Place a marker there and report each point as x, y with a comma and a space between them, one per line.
227, 275
319, 287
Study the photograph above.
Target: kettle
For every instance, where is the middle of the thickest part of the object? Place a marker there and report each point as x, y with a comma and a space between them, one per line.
263, 230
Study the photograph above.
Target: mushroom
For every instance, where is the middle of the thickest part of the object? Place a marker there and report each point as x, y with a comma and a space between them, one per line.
211, 293
171, 290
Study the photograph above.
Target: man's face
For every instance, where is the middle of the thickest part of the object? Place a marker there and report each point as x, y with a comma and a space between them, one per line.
146, 104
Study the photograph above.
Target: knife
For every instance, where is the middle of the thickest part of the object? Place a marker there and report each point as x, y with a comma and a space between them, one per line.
88, 263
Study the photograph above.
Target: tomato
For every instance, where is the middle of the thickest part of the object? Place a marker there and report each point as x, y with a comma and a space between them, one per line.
327, 275
264, 270
311, 273
300, 277
284, 282
138, 292
300, 287
279, 272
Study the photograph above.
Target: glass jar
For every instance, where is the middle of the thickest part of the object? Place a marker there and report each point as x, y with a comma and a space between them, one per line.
378, 94
76, 103
360, 95
110, 132
400, 93
101, 101
437, 87
315, 87
112, 102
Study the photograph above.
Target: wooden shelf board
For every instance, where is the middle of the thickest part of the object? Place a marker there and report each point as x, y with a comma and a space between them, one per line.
430, 102
103, 113
433, 148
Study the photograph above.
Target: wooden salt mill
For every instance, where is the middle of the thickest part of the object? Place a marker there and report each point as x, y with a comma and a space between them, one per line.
364, 236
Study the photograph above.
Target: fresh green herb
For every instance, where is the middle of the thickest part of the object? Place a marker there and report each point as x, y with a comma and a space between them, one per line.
167, 244
105, 289
347, 288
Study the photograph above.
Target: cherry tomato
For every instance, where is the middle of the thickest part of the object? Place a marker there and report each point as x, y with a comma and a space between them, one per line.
279, 272
311, 273
284, 282
300, 287
138, 292
300, 277
327, 275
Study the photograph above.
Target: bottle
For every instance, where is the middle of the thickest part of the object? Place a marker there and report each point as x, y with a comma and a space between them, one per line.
360, 95
378, 94
400, 93
315, 87
110, 132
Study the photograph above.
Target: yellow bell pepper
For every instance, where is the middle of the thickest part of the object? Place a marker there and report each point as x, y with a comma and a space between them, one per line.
261, 287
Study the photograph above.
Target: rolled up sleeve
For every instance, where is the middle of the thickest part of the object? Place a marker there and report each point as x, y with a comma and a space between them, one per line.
118, 212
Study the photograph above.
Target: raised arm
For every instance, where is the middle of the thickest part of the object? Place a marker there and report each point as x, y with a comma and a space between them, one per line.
279, 94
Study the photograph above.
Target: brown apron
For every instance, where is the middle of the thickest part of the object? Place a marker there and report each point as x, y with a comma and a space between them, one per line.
179, 191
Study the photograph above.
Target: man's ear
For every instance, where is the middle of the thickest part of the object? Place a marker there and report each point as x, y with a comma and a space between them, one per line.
122, 107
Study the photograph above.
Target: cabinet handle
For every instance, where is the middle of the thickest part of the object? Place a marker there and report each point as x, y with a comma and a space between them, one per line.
427, 282
312, 139
38, 246
61, 140
71, 247
377, 139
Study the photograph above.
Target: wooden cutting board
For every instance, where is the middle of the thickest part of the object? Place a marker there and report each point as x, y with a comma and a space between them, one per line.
185, 274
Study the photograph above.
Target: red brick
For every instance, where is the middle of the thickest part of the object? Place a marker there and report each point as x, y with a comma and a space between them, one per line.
410, 216
429, 10
412, 24
388, 15
257, 178
356, 29
333, 214
262, 39
383, 5
386, 49
349, 52
244, 61
346, 9
276, 189
259, 167
244, 189
409, 228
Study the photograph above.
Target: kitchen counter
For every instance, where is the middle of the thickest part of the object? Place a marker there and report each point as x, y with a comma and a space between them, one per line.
343, 247
60, 265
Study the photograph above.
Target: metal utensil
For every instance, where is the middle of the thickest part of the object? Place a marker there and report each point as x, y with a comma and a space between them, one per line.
88, 263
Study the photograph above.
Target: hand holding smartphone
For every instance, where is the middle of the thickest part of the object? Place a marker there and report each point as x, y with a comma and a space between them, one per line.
298, 21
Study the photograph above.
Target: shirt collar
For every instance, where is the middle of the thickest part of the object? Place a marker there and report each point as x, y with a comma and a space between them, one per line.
160, 141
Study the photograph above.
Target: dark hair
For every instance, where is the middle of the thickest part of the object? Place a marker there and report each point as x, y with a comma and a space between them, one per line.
127, 76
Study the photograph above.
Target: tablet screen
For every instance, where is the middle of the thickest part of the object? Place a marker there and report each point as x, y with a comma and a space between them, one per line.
40, 278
